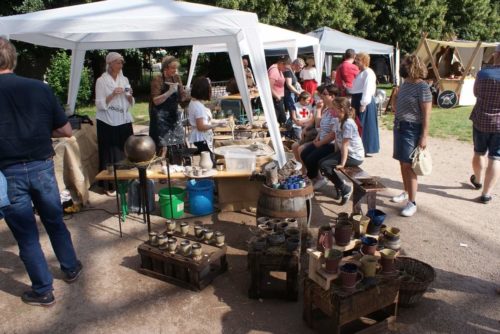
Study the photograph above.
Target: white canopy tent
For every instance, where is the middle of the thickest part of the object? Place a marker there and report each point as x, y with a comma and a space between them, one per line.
117, 24
272, 38
334, 41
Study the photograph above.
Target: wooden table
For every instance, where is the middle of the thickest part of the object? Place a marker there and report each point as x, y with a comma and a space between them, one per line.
253, 95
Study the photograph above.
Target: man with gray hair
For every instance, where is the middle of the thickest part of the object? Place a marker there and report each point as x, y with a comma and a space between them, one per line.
30, 116
486, 129
346, 72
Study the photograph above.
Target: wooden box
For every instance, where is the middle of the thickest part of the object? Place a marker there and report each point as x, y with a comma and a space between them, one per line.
183, 270
370, 309
274, 273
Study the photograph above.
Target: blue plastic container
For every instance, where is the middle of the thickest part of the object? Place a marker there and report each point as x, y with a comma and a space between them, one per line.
201, 197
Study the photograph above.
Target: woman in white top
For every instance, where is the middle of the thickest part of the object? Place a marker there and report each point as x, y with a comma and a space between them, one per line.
308, 76
363, 101
349, 148
114, 120
200, 117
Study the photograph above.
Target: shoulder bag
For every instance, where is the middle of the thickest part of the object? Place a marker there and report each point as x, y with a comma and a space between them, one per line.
421, 161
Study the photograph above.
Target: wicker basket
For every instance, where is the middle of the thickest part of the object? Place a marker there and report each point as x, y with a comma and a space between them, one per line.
416, 276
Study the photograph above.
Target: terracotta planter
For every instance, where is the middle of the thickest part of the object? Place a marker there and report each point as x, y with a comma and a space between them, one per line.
343, 232
332, 260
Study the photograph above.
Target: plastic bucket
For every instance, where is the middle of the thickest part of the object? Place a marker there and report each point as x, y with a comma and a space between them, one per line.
201, 197
177, 202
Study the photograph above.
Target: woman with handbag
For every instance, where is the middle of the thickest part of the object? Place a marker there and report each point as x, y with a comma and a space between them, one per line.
411, 126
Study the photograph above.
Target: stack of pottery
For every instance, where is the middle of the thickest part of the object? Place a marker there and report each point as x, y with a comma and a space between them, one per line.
377, 217
391, 238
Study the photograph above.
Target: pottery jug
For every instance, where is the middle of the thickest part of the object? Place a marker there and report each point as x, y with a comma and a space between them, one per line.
359, 225
343, 232
325, 238
369, 265
369, 245
206, 161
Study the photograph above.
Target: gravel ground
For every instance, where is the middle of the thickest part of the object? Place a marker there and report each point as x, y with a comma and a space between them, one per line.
451, 232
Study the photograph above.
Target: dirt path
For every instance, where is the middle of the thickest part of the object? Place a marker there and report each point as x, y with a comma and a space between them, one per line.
111, 297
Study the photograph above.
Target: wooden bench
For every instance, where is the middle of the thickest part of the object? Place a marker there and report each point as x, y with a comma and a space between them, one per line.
364, 186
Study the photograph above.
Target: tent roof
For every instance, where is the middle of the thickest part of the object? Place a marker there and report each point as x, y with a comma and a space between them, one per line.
122, 24
334, 41
460, 43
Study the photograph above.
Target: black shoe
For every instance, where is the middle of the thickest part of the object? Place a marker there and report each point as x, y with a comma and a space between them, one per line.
346, 194
485, 199
474, 183
33, 298
72, 276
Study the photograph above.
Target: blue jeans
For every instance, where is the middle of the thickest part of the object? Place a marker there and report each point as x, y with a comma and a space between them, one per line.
35, 182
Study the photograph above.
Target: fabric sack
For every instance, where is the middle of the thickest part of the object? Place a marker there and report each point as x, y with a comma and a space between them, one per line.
421, 161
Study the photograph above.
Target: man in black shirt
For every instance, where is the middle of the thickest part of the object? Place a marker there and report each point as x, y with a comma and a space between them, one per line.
29, 116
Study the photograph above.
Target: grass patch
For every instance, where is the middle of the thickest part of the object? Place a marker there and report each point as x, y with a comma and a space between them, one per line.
445, 123
140, 112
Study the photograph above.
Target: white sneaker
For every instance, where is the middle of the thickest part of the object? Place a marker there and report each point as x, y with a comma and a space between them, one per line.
320, 184
400, 198
409, 210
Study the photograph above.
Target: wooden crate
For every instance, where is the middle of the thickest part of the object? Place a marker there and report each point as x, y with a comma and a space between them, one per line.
181, 270
370, 309
274, 260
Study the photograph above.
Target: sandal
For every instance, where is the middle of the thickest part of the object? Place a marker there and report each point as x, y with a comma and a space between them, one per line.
476, 185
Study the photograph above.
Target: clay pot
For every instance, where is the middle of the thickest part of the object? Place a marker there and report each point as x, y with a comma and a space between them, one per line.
196, 250
369, 265
220, 238
369, 245
349, 275
292, 232
198, 231
262, 220
280, 226
343, 232
359, 224
208, 234
387, 260
276, 238
342, 217
139, 148
184, 228
292, 222
172, 245
170, 225
292, 244
393, 243
332, 260
259, 244
377, 218
392, 233
162, 242
325, 238
185, 247
153, 239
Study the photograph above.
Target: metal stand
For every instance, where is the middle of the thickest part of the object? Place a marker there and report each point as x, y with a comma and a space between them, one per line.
118, 200
143, 186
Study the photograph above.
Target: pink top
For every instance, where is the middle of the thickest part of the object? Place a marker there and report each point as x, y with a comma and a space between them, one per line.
277, 81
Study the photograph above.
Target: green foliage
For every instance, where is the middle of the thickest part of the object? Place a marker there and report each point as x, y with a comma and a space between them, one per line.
58, 78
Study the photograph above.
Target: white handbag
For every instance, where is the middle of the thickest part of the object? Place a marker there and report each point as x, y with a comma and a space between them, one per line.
421, 161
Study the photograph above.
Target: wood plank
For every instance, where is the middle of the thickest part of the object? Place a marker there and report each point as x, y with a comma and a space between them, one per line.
130, 174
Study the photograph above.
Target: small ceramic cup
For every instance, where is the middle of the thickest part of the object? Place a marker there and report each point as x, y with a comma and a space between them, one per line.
184, 228
153, 238
196, 250
172, 244
185, 247
208, 234
170, 225
220, 238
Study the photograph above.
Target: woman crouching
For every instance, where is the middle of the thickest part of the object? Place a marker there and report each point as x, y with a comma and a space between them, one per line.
349, 149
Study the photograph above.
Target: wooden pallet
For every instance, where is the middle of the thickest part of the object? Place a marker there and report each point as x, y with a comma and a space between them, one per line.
366, 309
182, 270
274, 260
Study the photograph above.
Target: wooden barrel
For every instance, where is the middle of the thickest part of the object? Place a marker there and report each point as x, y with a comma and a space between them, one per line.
281, 203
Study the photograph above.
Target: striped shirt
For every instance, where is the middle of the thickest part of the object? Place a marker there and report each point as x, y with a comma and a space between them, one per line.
486, 113
410, 96
328, 124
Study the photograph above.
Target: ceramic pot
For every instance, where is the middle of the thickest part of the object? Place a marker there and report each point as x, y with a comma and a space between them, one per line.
292, 244
170, 225
162, 242
369, 265
196, 250
359, 224
153, 239
276, 238
377, 218
387, 260
394, 243
172, 244
220, 238
262, 220
332, 260
185, 247
392, 233
369, 245
292, 222
349, 275
292, 232
342, 217
139, 148
198, 231
280, 226
206, 161
325, 238
259, 244
343, 232
208, 234
184, 228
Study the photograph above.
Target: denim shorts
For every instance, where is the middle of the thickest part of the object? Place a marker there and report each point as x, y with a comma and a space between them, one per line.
406, 137
486, 142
